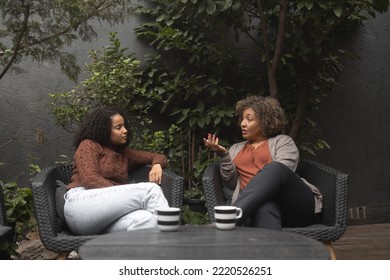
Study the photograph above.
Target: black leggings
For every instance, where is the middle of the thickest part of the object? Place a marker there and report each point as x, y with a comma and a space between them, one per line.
276, 197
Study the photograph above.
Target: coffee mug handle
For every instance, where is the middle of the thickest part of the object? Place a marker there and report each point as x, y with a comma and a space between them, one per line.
239, 213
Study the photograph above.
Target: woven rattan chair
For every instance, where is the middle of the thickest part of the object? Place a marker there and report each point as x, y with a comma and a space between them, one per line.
332, 183
6, 231
55, 235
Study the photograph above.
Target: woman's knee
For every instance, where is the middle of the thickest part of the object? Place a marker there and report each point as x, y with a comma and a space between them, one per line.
268, 216
275, 165
142, 219
276, 169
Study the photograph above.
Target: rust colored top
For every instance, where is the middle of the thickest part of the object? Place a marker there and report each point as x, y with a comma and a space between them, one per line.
97, 166
250, 160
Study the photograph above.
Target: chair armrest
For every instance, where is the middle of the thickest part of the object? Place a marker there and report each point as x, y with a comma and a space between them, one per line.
333, 185
3, 216
43, 189
172, 184
213, 188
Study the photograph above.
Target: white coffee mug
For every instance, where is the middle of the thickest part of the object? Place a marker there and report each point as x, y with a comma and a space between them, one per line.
226, 216
168, 218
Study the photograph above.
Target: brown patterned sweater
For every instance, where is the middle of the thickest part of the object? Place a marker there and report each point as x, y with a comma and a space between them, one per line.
97, 166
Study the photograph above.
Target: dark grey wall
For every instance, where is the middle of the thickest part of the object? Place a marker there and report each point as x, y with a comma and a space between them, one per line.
355, 120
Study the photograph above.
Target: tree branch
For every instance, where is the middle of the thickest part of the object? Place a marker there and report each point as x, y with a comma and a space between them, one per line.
278, 50
273, 65
68, 28
17, 45
303, 98
263, 26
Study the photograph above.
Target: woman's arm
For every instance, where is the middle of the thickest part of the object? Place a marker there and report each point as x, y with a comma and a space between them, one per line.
228, 172
141, 158
138, 158
227, 168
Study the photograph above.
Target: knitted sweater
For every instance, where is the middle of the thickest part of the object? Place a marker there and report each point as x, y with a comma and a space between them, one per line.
97, 166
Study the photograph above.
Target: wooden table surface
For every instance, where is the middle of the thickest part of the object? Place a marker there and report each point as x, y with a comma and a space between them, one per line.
200, 242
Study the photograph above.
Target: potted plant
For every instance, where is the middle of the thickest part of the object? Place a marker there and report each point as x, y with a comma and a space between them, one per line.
194, 198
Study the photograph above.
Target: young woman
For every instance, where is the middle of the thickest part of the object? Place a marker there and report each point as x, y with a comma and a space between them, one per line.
261, 169
99, 198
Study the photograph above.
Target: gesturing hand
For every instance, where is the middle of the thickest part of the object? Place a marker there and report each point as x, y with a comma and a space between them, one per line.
155, 174
212, 144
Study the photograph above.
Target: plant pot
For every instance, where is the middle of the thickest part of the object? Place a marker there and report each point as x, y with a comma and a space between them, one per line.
196, 205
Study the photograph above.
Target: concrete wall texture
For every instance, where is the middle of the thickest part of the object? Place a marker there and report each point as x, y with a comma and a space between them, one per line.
355, 122
354, 119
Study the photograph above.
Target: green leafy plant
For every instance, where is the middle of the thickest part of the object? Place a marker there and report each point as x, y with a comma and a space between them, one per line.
19, 211
18, 202
114, 80
194, 193
192, 217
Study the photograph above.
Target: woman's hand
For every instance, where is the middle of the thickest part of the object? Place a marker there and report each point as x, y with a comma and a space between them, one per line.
212, 144
155, 174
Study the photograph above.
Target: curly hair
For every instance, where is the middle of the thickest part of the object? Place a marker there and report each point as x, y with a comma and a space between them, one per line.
267, 110
97, 127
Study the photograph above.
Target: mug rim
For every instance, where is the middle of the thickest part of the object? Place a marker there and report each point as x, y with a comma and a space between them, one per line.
225, 207
168, 209
171, 211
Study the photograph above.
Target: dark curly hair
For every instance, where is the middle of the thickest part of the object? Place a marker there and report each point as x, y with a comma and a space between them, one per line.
269, 112
97, 127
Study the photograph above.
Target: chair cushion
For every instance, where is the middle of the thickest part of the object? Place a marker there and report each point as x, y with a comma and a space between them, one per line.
61, 189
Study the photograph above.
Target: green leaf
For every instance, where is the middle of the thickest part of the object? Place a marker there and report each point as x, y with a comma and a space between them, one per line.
161, 18
338, 11
309, 5
200, 106
201, 7
192, 121
201, 122
211, 7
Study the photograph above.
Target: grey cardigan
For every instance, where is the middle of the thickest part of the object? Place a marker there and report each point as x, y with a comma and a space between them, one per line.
282, 149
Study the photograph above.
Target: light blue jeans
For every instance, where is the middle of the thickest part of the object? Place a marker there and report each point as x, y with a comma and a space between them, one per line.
112, 209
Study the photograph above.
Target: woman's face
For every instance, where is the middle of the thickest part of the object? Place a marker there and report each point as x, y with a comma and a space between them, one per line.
118, 131
250, 126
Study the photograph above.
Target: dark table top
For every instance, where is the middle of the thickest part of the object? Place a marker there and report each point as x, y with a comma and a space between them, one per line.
200, 242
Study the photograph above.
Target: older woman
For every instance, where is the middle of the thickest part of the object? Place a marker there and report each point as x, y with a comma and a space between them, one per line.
261, 169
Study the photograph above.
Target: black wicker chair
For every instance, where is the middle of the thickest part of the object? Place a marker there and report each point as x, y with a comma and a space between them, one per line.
54, 235
6, 232
332, 183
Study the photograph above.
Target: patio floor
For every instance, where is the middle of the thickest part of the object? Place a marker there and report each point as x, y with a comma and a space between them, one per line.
364, 242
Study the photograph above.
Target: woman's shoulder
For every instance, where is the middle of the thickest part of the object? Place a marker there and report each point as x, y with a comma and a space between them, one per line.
235, 148
281, 138
89, 144
282, 141
238, 145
